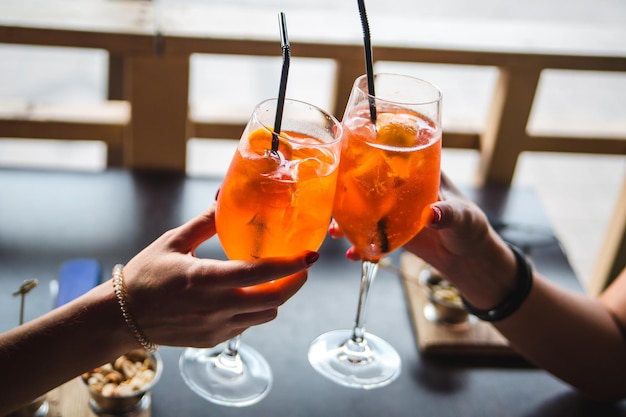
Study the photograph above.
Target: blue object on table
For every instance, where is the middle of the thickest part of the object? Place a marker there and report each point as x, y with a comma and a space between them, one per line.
76, 277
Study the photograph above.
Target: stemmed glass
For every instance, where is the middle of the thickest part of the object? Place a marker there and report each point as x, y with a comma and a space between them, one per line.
388, 176
273, 202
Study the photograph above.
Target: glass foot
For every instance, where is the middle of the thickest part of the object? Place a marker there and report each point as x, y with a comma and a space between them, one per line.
237, 381
372, 363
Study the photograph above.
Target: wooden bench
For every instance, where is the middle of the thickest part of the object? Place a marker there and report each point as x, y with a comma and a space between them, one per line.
151, 44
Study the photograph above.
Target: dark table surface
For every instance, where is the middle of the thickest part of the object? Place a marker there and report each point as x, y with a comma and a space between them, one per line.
47, 218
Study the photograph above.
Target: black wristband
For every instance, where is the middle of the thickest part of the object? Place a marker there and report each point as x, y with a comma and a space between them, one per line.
511, 303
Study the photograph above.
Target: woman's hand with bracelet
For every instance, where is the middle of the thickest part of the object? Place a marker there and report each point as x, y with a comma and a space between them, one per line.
179, 299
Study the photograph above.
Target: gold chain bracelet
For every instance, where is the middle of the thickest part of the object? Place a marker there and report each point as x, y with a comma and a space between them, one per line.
120, 293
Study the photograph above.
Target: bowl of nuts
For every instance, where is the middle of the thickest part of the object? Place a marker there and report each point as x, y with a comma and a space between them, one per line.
124, 384
445, 304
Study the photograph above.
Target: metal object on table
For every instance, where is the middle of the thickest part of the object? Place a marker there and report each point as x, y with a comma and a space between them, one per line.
39, 406
445, 305
131, 404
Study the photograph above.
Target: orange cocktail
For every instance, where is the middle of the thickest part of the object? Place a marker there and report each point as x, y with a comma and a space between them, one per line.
276, 205
389, 172
276, 200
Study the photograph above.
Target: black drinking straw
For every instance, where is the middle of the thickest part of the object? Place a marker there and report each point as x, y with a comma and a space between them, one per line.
284, 42
369, 60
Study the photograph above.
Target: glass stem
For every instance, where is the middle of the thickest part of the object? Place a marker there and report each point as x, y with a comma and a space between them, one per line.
232, 347
229, 359
368, 272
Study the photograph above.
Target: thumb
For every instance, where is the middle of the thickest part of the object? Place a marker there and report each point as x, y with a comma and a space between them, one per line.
197, 230
441, 216
239, 273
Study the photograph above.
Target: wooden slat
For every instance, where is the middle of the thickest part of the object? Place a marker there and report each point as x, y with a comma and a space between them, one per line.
158, 90
612, 256
107, 122
120, 26
32, 129
460, 140
113, 42
104, 121
504, 137
116, 79
347, 72
501, 59
217, 130
397, 37
589, 145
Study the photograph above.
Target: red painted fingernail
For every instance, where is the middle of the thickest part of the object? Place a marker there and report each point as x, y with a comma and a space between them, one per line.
436, 215
312, 257
350, 253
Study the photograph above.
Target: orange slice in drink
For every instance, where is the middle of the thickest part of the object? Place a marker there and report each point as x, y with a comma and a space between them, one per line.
260, 145
261, 140
396, 133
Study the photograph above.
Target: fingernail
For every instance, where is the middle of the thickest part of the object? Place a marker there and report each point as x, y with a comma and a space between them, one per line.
436, 216
350, 253
217, 193
312, 257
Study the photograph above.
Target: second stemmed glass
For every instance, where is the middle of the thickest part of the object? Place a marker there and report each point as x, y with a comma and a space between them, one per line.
272, 202
388, 176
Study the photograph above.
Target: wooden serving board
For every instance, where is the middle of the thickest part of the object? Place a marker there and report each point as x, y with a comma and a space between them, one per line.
473, 338
72, 400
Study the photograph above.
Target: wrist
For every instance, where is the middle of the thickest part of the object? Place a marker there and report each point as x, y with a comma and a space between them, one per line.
112, 333
121, 295
486, 275
511, 303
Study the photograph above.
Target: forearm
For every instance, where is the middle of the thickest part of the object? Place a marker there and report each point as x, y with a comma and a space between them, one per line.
60, 345
573, 337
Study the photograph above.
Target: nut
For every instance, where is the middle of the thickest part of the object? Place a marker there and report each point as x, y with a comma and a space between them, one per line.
444, 297
124, 376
